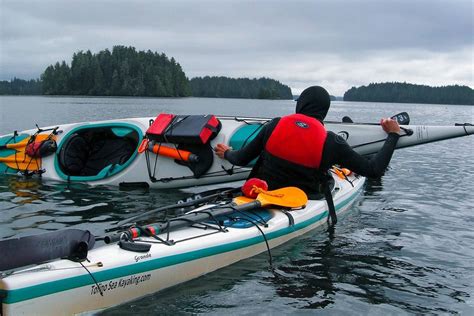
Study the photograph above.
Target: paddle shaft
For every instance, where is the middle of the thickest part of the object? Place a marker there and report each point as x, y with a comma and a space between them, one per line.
402, 118
182, 221
193, 202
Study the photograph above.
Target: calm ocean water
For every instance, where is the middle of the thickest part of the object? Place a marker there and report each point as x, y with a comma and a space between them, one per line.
406, 248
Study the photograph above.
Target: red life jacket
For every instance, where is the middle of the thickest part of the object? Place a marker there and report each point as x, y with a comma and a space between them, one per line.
299, 139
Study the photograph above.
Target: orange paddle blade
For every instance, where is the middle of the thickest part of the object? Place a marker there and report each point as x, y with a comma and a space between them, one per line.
24, 142
239, 200
21, 162
285, 197
20, 144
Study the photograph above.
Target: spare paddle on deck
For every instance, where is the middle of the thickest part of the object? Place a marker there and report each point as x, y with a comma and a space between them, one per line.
22, 162
402, 118
194, 201
24, 142
290, 197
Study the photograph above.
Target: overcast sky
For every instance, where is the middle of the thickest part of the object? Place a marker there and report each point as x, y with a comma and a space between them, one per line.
334, 43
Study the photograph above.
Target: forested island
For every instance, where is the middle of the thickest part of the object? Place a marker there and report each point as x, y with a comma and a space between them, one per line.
223, 87
124, 71
120, 72
398, 92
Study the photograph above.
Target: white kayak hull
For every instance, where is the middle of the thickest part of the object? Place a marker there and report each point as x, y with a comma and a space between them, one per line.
64, 287
167, 173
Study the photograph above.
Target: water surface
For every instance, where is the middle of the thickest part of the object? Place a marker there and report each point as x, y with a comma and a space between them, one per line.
405, 248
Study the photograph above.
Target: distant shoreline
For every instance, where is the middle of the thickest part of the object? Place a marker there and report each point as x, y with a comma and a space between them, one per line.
148, 97
397, 92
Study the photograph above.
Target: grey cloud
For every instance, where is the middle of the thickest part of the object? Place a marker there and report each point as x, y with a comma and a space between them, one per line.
295, 41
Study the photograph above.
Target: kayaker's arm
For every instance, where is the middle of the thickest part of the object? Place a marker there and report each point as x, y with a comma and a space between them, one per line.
339, 152
373, 167
249, 152
246, 154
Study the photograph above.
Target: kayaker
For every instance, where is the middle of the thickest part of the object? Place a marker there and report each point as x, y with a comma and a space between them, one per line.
296, 150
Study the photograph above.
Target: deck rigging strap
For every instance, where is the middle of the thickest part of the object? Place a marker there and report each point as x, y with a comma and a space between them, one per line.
270, 257
93, 278
36, 159
127, 242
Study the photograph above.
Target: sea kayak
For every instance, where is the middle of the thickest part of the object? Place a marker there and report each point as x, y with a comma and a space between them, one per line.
125, 152
115, 274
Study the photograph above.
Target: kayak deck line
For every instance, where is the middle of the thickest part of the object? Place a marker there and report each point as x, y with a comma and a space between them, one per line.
153, 265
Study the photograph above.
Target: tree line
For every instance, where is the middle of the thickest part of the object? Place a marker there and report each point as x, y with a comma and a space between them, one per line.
124, 71
120, 72
223, 87
411, 93
20, 87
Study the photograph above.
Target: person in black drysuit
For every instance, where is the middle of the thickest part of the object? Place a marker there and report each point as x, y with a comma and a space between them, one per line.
273, 165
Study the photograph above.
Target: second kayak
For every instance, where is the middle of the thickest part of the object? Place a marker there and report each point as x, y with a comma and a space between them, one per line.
117, 273
164, 153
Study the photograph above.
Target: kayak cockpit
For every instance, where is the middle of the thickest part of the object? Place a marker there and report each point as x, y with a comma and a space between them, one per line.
97, 151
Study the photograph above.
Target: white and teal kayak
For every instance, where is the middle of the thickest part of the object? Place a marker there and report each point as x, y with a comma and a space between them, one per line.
115, 275
115, 157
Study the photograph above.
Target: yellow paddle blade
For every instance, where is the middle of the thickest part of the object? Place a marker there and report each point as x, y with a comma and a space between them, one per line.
24, 142
239, 200
19, 144
21, 162
286, 197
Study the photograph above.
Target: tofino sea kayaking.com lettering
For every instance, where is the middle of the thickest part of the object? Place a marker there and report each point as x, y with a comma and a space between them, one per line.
120, 283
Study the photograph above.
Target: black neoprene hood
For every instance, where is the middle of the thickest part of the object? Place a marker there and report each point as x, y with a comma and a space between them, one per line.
314, 101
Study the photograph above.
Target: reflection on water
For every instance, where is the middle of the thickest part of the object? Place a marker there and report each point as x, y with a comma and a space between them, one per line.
30, 205
406, 247
342, 267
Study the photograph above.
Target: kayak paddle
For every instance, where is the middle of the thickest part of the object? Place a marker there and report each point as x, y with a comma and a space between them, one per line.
402, 118
196, 199
285, 197
291, 197
24, 142
20, 161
